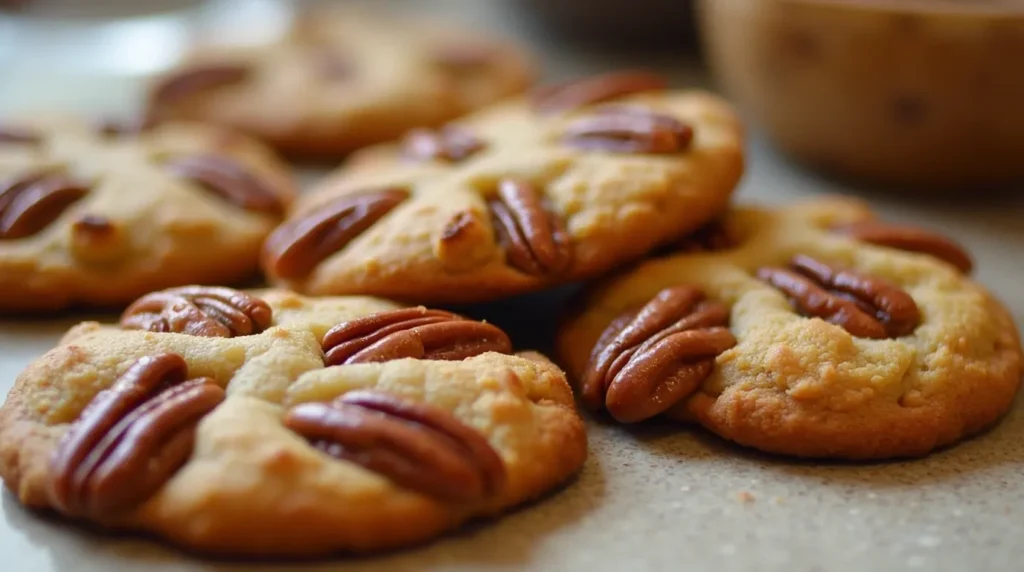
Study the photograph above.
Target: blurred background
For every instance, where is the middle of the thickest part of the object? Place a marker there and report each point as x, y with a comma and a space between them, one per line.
909, 94
95, 53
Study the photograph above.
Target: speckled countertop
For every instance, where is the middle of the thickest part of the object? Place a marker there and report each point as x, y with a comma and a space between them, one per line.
661, 497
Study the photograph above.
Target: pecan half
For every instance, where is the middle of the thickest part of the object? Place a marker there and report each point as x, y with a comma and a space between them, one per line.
29, 203
19, 136
227, 179
416, 445
131, 439
297, 246
863, 305
647, 361
575, 94
629, 130
451, 144
190, 81
909, 238
207, 311
534, 238
411, 333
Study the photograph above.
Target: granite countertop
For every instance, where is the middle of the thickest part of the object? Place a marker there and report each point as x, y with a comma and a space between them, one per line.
659, 497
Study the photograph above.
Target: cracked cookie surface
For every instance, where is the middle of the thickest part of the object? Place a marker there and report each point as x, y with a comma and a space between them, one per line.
258, 448
561, 186
854, 338
97, 214
340, 79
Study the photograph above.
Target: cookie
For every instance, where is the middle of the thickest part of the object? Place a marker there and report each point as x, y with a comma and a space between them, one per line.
99, 213
561, 186
266, 423
815, 330
341, 79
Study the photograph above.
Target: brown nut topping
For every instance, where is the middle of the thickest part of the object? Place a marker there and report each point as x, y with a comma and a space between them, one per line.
110, 127
464, 56
331, 63
206, 311
131, 439
411, 333
629, 130
909, 238
29, 203
227, 179
572, 95
416, 445
451, 144
95, 225
534, 238
712, 237
187, 82
863, 305
647, 361
297, 246
19, 136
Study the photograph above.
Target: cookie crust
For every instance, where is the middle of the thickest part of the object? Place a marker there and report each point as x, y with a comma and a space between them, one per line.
139, 227
251, 486
343, 78
804, 387
441, 244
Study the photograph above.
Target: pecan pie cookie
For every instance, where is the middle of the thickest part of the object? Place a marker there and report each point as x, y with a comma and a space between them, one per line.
815, 331
266, 423
567, 184
100, 213
342, 79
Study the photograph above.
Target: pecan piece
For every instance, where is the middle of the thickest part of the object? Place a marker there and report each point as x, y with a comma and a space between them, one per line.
629, 130
572, 95
909, 238
93, 225
416, 445
111, 127
131, 438
207, 311
712, 237
227, 179
187, 82
332, 63
865, 306
29, 203
411, 333
534, 238
19, 136
647, 361
460, 57
451, 144
297, 246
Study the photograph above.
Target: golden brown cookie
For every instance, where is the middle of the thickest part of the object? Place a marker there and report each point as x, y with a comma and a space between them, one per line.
97, 214
579, 178
341, 79
267, 423
814, 331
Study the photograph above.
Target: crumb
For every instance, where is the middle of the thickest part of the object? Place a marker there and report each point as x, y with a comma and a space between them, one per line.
779, 500
745, 497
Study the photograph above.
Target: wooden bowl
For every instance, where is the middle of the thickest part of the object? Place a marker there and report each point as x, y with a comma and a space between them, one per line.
919, 94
